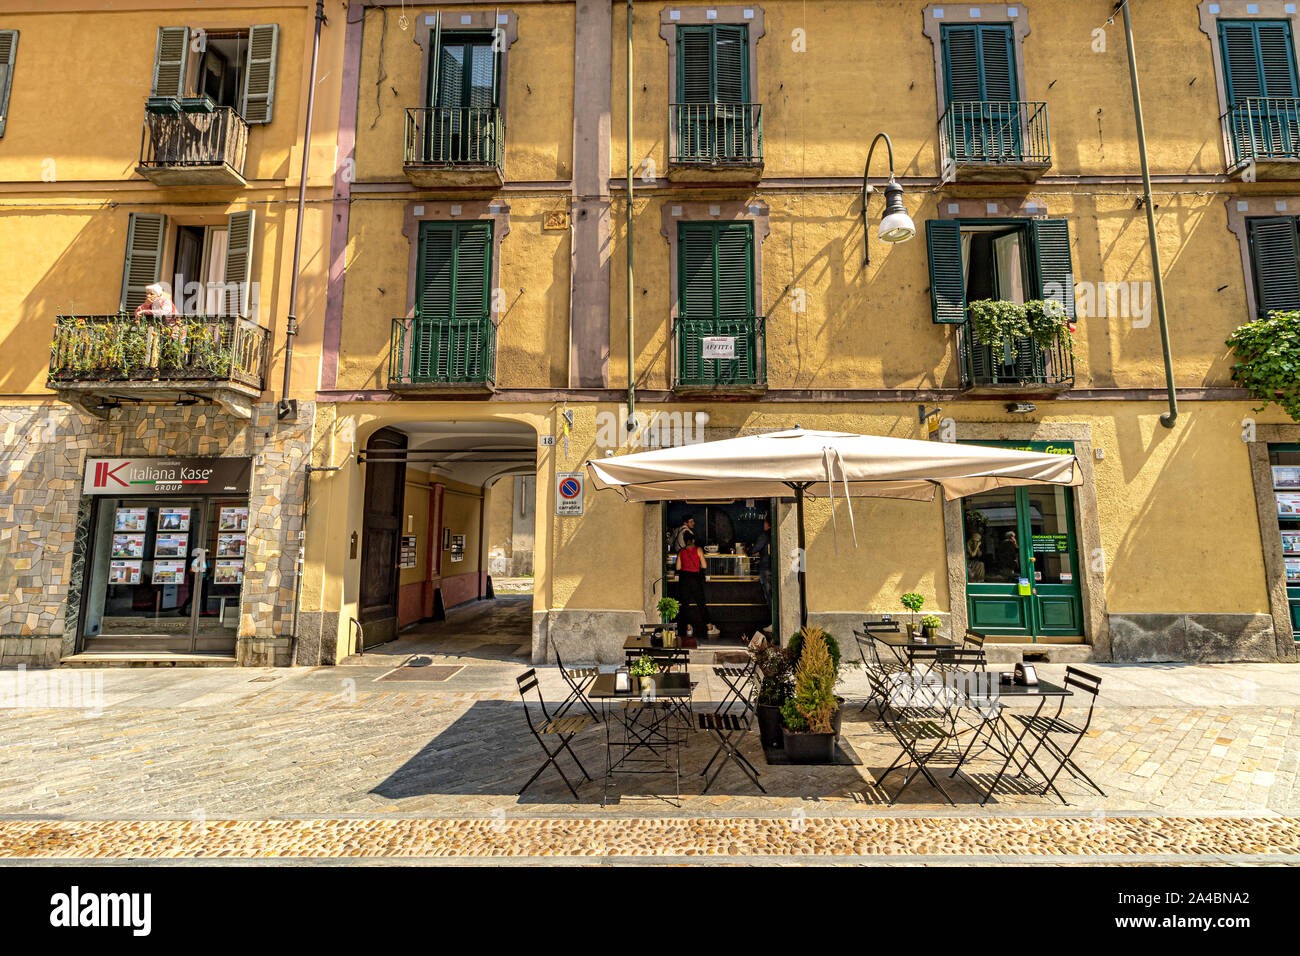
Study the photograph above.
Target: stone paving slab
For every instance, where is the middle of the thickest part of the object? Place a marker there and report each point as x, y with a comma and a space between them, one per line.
690, 838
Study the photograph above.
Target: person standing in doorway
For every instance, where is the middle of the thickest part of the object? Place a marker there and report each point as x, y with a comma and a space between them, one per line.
679, 536
763, 551
690, 575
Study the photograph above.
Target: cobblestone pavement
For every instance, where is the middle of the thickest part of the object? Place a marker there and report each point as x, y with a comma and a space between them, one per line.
350, 762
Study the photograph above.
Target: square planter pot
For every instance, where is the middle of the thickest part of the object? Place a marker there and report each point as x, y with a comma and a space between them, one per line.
810, 748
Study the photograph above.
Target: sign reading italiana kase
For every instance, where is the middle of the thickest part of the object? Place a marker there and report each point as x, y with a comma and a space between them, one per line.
158, 476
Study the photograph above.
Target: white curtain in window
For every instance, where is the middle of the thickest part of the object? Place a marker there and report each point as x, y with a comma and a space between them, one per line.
1006, 259
215, 274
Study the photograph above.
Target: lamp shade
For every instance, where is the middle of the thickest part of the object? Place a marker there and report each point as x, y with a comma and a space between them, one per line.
897, 225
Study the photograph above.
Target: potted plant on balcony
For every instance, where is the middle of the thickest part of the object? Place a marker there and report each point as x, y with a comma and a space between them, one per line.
644, 669
1268, 357
998, 323
773, 667
807, 715
1048, 323
668, 609
930, 627
913, 602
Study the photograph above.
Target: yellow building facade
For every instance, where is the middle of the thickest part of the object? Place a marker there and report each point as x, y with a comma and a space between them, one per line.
468, 269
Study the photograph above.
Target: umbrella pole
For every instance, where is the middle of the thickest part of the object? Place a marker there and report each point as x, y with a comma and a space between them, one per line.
803, 557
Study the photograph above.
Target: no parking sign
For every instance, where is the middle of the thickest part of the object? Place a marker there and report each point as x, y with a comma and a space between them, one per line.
568, 492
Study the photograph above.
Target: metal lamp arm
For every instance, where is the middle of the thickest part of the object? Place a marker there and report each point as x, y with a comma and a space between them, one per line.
867, 189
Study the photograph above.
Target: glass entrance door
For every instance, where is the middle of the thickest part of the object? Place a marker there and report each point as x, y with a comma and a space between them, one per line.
1022, 575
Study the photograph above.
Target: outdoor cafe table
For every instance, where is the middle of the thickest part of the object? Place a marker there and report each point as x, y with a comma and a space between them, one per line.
1009, 742
902, 645
645, 727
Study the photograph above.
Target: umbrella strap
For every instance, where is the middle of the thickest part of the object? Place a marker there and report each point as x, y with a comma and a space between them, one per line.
830, 457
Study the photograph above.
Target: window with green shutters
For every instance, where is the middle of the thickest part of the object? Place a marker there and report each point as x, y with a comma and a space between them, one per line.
1275, 263
8, 54
462, 122
1259, 72
453, 337
713, 120
985, 120
715, 306
229, 68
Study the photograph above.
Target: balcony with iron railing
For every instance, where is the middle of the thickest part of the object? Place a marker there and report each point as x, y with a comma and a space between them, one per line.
1263, 133
1024, 365
100, 360
455, 146
715, 141
447, 354
994, 141
723, 355
201, 148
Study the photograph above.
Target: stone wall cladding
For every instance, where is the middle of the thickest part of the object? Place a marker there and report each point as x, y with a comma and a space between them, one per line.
1195, 638
44, 448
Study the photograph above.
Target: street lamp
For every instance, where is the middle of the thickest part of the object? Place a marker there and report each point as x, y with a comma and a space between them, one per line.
897, 225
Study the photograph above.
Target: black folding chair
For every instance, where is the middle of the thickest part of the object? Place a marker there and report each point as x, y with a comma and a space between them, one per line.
578, 679
739, 679
974, 641
918, 715
562, 729
729, 731
872, 664
1043, 728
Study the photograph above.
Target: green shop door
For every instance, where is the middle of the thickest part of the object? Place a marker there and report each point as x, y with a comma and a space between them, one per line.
1022, 567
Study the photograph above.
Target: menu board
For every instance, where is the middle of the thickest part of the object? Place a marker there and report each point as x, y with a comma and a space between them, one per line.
1286, 477
170, 545
1293, 570
407, 558
1288, 504
230, 545
128, 546
228, 572
1291, 542
131, 519
233, 519
173, 519
168, 572
458, 547
124, 572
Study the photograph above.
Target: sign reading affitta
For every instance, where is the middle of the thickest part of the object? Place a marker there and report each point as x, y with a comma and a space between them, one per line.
165, 476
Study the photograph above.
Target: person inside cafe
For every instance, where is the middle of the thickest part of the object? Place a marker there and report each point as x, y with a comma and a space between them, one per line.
690, 575
679, 536
763, 552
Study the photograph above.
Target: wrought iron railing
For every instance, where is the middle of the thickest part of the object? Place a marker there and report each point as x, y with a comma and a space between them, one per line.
713, 353
447, 136
186, 140
1022, 362
715, 134
443, 351
191, 348
1262, 128
1013, 133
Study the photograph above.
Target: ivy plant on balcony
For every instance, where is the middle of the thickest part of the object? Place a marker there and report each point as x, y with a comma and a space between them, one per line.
140, 348
1000, 323
1268, 360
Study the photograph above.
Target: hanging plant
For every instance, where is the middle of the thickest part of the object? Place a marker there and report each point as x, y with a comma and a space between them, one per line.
1268, 360
1048, 323
997, 323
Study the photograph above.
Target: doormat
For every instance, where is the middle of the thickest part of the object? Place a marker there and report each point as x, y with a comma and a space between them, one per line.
731, 657
424, 672
845, 756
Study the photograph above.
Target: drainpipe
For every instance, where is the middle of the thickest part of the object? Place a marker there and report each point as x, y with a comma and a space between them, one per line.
287, 407
631, 325
1170, 416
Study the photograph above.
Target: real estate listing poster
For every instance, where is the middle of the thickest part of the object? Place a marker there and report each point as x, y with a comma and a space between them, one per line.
168, 572
170, 545
233, 519
131, 519
228, 572
124, 572
173, 519
1288, 504
128, 546
230, 546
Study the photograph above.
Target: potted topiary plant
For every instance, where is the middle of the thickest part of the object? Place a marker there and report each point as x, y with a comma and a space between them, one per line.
807, 715
644, 669
833, 648
913, 602
773, 666
668, 609
930, 627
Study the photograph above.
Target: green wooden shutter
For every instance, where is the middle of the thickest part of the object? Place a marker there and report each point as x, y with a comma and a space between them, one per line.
170, 57
1050, 240
731, 64
735, 270
1275, 260
8, 53
259, 78
694, 65
1276, 57
961, 70
434, 279
947, 278
473, 258
979, 63
145, 235
239, 258
1258, 59
695, 274
998, 64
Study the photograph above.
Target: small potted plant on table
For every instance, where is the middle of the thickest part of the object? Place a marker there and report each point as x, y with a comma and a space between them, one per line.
807, 715
668, 608
644, 669
913, 602
930, 627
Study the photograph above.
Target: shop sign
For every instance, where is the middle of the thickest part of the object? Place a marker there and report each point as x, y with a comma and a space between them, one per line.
162, 476
568, 493
718, 347
1050, 543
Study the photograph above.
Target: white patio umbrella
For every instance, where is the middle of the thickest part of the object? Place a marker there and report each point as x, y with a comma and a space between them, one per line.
826, 463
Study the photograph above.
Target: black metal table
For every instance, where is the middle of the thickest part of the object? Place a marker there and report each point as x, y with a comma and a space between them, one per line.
1008, 742
646, 726
901, 644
